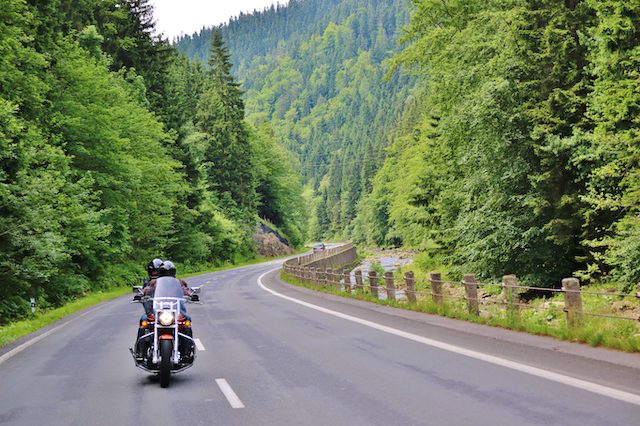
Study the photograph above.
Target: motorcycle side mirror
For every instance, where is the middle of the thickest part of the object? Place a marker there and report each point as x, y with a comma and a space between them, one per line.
136, 288
195, 298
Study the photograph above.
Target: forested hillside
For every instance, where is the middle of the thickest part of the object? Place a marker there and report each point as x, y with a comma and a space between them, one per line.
496, 136
315, 72
520, 155
512, 149
115, 149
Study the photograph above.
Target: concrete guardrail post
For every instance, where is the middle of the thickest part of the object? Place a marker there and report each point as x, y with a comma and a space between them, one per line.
411, 286
390, 286
329, 282
471, 291
511, 294
347, 281
358, 277
373, 283
572, 301
436, 287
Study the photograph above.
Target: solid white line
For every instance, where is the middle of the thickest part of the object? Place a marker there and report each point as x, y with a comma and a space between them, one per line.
231, 396
534, 371
36, 339
199, 345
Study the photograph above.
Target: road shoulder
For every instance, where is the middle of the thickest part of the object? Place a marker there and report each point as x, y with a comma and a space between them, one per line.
560, 356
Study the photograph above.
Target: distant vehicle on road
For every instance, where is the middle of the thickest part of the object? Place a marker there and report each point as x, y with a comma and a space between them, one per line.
318, 247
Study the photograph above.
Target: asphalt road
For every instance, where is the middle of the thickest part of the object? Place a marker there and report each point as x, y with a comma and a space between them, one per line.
270, 360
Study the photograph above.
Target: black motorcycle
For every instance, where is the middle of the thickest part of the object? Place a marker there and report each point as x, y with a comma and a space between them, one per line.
165, 344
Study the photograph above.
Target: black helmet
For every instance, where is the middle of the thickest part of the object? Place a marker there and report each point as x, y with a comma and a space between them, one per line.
167, 269
153, 268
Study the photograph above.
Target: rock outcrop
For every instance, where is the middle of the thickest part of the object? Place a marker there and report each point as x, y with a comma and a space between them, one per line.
270, 243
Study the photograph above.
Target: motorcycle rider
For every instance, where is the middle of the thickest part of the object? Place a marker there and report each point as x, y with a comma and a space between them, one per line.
165, 269
153, 271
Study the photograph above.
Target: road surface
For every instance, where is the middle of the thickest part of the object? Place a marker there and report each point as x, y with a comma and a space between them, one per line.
280, 355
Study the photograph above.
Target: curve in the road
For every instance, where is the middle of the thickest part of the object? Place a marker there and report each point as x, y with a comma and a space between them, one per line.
549, 375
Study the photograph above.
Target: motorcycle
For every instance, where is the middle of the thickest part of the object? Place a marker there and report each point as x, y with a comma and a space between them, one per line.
165, 344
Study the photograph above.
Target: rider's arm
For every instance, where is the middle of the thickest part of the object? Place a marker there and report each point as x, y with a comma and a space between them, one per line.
185, 288
148, 290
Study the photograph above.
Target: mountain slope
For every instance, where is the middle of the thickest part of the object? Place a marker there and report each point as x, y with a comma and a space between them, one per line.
315, 72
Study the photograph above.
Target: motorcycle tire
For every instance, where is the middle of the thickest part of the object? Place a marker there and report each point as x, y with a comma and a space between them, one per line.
166, 348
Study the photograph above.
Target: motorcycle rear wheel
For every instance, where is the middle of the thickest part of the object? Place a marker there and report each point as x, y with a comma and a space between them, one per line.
166, 348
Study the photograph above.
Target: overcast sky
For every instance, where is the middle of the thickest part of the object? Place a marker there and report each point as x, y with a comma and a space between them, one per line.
188, 16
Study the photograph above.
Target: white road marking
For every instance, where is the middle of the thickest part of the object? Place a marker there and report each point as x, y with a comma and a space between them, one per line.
231, 396
199, 344
534, 371
36, 339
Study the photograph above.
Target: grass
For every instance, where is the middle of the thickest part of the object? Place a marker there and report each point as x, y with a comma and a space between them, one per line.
15, 330
549, 321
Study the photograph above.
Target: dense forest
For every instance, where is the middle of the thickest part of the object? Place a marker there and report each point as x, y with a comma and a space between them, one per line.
315, 71
496, 136
520, 154
115, 149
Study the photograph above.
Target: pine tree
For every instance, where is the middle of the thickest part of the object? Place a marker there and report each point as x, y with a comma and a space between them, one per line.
227, 159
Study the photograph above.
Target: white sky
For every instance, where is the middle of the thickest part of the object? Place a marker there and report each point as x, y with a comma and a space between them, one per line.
174, 17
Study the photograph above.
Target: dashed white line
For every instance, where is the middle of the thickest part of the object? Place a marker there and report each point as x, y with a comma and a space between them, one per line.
231, 396
199, 345
534, 371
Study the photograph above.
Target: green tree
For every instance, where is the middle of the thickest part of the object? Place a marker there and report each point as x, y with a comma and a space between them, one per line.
227, 157
612, 155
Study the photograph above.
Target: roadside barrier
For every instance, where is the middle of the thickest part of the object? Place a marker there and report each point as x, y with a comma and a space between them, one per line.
327, 269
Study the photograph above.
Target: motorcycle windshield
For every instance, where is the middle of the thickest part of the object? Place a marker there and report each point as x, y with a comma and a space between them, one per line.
168, 287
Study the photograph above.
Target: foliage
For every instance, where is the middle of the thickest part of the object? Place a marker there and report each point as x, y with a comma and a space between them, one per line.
227, 161
313, 72
111, 152
496, 136
518, 153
